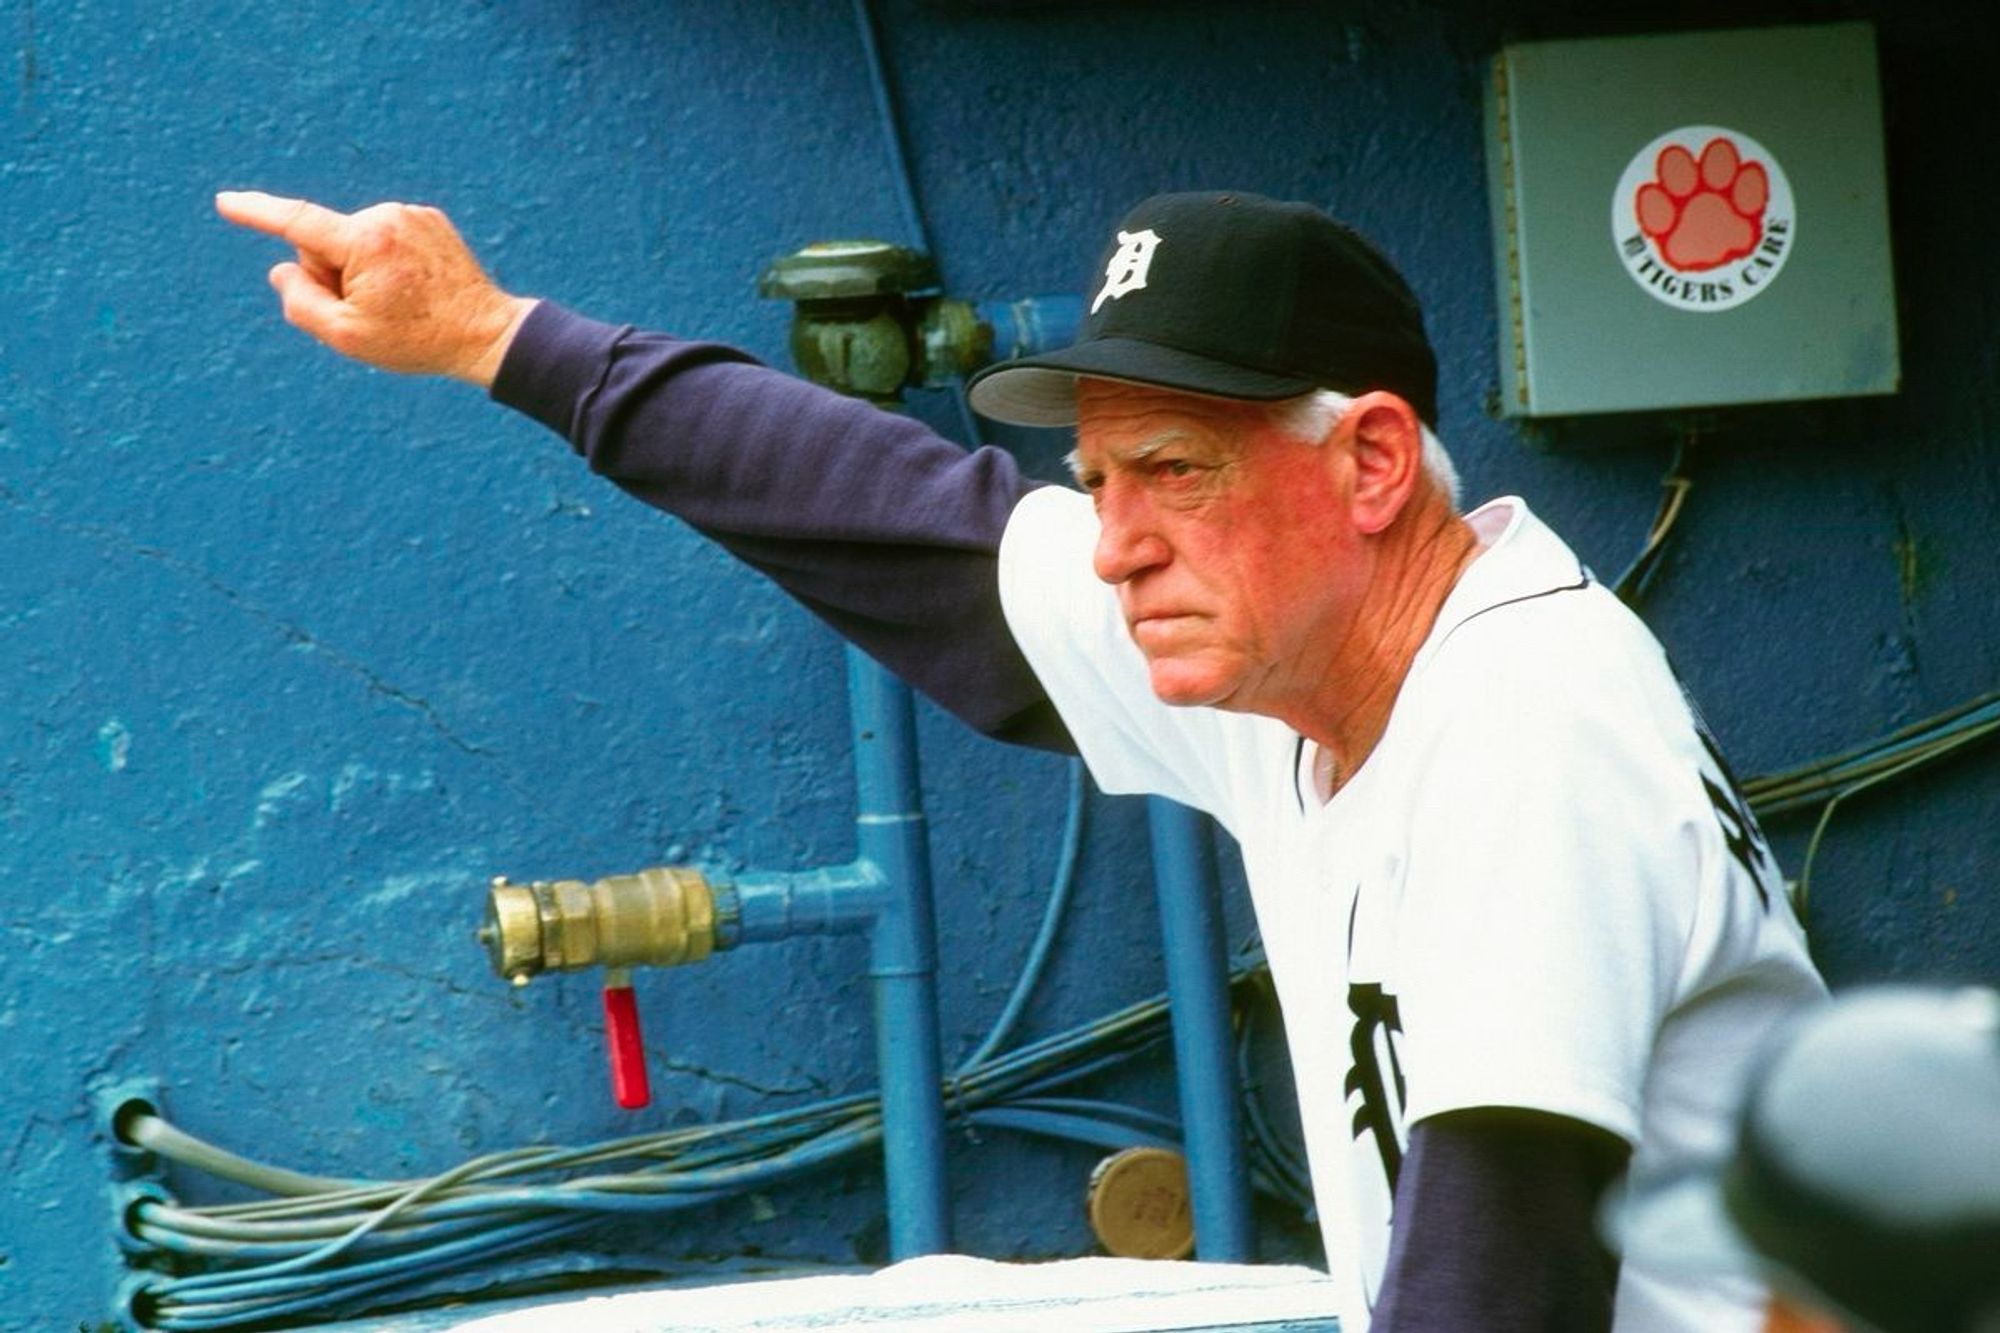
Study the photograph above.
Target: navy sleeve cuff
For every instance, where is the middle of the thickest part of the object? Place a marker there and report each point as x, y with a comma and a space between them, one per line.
557, 360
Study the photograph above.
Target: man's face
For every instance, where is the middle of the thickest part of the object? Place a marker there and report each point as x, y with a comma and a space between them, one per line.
1227, 542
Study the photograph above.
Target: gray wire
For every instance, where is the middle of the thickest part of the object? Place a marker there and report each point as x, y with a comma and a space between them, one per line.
156, 1135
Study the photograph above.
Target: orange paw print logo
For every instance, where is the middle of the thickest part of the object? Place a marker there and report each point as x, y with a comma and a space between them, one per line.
1704, 213
1703, 218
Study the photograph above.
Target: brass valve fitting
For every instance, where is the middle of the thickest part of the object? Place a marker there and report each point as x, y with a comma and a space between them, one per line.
653, 918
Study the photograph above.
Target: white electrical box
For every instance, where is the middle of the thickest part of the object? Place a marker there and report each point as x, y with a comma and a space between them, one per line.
1690, 220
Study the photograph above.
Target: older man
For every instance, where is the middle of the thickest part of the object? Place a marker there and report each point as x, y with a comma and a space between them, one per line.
1523, 929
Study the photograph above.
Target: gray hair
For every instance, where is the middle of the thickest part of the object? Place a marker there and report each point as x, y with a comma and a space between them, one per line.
1311, 418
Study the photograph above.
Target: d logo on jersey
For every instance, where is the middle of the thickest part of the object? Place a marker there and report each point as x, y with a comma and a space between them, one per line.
1129, 265
1377, 1073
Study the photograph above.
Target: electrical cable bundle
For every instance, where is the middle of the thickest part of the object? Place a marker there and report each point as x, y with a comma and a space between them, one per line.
1277, 1165
1837, 777
1833, 779
1631, 586
320, 1246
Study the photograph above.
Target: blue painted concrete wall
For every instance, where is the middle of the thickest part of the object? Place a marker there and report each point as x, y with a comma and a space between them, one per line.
294, 655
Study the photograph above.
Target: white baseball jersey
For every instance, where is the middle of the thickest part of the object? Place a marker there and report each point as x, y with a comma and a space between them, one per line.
1541, 890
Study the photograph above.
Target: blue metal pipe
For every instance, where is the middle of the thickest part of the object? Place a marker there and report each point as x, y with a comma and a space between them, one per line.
1031, 326
887, 891
902, 958
1204, 1065
756, 908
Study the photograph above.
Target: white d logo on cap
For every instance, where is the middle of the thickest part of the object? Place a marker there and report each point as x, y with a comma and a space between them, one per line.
1127, 270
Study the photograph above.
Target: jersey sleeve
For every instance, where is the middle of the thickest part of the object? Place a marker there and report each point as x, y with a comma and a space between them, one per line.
883, 529
1554, 862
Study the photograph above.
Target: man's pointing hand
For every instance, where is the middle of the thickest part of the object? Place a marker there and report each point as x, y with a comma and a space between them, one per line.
392, 285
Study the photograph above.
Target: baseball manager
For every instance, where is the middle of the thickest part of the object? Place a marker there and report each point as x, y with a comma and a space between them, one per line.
1524, 930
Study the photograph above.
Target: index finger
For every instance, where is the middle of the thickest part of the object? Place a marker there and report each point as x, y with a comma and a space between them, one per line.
303, 223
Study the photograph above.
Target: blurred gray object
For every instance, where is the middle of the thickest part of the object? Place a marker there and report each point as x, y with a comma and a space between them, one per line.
1865, 1180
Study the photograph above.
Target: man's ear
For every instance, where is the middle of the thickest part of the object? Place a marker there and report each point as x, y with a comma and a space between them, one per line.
1388, 448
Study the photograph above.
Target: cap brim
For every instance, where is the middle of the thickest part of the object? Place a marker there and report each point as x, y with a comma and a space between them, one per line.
1679, 1226
1041, 390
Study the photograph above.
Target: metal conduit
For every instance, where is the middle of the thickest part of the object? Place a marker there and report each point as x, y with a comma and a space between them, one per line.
1192, 942
902, 959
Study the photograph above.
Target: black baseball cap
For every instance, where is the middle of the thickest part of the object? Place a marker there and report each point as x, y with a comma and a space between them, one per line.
1235, 296
1865, 1179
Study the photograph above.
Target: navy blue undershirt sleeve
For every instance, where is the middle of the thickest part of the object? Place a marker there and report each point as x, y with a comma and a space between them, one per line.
1495, 1226
883, 529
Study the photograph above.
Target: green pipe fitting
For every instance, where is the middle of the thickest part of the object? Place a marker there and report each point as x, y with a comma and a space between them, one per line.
867, 319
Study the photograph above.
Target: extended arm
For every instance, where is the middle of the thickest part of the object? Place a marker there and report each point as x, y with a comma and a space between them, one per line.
878, 526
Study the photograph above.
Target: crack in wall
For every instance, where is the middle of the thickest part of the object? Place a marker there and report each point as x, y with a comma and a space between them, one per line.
500, 994
116, 542
1899, 661
20, 1143
114, 1060
29, 41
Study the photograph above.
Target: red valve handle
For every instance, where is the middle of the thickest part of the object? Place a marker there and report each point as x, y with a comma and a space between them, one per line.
628, 1052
